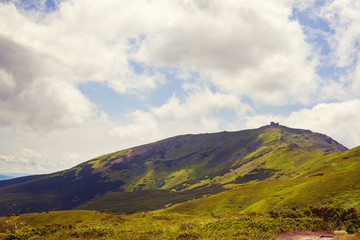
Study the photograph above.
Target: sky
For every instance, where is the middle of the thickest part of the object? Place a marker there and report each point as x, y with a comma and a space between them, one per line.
83, 78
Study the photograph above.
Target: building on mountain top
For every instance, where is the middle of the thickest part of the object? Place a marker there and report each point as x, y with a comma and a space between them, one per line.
274, 124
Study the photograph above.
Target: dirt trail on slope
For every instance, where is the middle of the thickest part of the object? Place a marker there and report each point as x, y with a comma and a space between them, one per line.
323, 235
279, 134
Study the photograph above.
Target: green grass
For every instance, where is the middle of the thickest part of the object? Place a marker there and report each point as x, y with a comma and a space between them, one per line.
57, 217
338, 189
325, 180
165, 225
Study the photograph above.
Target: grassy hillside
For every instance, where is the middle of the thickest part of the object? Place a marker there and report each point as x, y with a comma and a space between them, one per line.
174, 170
269, 168
329, 180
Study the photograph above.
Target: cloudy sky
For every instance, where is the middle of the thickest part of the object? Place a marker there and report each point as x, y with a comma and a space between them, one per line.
82, 78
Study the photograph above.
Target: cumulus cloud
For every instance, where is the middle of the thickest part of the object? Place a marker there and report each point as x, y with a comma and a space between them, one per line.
28, 160
343, 17
355, 86
44, 57
92, 41
31, 98
200, 111
145, 127
196, 105
247, 48
142, 126
244, 55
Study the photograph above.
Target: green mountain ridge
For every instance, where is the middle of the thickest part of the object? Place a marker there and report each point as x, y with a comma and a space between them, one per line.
334, 181
215, 171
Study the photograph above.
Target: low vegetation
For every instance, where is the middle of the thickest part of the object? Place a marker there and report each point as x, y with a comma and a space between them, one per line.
163, 225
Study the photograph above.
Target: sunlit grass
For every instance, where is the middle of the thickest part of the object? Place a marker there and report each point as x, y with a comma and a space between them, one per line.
164, 225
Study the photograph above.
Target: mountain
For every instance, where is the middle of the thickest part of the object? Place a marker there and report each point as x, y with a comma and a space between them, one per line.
6, 176
216, 166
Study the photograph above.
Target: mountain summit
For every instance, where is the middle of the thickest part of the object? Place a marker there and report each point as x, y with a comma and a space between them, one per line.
173, 170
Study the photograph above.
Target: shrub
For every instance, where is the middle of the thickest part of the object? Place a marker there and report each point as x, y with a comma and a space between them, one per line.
332, 218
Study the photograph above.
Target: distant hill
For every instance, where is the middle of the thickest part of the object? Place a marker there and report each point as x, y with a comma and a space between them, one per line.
245, 170
6, 176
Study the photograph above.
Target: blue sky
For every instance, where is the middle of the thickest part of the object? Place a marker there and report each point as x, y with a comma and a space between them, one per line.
83, 78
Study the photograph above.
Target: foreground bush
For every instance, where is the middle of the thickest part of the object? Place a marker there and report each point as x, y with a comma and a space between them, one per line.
332, 218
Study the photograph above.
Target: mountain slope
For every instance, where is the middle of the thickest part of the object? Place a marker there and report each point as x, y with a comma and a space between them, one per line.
333, 181
172, 170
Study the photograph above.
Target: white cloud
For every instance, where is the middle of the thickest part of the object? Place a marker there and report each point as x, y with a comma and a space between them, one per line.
143, 127
343, 17
44, 57
355, 86
44, 152
30, 161
198, 104
198, 112
7, 85
247, 48
244, 50
90, 40
30, 98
